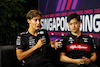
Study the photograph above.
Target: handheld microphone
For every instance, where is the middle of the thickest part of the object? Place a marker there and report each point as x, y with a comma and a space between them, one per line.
61, 43
42, 34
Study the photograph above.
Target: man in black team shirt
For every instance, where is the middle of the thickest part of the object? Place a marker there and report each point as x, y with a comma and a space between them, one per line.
32, 45
78, 50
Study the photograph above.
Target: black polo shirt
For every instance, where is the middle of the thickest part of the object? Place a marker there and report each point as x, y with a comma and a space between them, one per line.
26, 41
77, 47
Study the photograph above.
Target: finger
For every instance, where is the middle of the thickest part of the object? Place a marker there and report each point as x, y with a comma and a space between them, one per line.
42, 40
81, 62
56, 40
83, 57
59, 43
85, 60
42, 43
55, 48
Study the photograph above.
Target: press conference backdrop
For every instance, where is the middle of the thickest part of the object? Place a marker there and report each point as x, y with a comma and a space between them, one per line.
55, 14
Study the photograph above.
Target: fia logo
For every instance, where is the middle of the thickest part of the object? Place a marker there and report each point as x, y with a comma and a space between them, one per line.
71, 40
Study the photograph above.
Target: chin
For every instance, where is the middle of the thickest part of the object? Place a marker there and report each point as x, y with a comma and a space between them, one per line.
37, 29
74, 31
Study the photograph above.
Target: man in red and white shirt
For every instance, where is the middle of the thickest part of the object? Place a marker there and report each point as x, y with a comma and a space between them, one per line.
77, 50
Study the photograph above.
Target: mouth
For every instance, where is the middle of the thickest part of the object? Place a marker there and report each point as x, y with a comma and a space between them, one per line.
37, 26
74, 29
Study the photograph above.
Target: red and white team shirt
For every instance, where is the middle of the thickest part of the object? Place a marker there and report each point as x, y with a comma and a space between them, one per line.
77, 47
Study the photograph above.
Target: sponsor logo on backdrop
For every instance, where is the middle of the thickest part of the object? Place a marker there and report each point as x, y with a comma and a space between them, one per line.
56, 21
90, 23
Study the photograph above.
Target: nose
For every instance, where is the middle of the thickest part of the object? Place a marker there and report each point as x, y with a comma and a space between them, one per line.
38, 21
73, 25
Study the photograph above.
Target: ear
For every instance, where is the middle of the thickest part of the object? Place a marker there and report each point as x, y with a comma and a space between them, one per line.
28, 20
69, 25
80, 23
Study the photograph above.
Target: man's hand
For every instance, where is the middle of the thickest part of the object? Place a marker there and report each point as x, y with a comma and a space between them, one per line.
55, 44
40, 43
87, 60
79, 61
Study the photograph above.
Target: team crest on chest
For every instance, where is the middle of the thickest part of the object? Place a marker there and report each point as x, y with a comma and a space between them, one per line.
71, 40
85, 39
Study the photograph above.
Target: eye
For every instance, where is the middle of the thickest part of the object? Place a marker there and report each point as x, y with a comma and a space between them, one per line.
70, 23
75, 23
39, 19
35, 20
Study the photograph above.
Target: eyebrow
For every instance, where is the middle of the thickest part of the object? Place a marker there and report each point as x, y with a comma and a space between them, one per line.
36, 18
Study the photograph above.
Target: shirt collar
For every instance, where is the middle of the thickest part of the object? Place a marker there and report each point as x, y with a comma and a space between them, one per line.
75, 36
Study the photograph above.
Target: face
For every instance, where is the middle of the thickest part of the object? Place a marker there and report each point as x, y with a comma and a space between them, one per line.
35, 22
74, 25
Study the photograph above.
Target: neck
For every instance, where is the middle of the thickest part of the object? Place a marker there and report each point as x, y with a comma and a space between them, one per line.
32, 31
78, 33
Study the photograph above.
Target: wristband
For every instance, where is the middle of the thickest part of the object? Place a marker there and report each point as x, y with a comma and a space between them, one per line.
91, 60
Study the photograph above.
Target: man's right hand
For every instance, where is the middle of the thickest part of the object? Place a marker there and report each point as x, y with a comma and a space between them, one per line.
79, 61
40, 43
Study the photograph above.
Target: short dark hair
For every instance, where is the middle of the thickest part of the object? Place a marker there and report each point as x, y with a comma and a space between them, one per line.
72, 16
33, 13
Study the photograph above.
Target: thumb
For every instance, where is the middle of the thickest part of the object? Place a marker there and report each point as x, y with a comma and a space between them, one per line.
56, 40
83, 57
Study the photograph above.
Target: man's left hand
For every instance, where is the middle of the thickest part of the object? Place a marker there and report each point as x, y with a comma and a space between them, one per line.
55, 44
87, 60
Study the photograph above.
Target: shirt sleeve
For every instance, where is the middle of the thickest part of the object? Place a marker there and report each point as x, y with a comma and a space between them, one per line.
19, 42
93, 46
